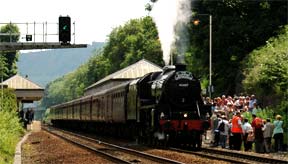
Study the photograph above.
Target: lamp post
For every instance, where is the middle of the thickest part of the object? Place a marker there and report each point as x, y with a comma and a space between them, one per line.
210, 55
196, 22
1, 71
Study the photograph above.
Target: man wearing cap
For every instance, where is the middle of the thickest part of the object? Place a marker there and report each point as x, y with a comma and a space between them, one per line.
237, 131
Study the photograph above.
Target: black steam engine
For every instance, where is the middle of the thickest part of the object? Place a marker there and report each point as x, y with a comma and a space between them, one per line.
160, 107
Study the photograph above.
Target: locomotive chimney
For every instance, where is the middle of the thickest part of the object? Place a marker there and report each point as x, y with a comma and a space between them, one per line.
180, 67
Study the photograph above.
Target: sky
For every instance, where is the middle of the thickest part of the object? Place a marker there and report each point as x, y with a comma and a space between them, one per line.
94, 19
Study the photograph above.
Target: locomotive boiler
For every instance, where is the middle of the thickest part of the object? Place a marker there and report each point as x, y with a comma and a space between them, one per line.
160, 107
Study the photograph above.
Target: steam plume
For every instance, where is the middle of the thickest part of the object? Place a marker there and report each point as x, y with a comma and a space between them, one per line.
171, 18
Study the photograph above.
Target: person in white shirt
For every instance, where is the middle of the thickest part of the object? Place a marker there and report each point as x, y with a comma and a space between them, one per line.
223, 129
247, 128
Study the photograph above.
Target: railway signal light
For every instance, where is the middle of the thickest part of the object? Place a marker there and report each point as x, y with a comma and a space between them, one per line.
64, 29
28, 38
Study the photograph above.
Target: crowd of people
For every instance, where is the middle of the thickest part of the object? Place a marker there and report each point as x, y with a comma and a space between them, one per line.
230, 128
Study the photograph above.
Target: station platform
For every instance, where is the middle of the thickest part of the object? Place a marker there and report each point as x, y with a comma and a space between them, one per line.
34, 127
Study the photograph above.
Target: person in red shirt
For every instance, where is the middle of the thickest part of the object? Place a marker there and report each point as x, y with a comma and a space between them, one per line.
237, 131
257, 125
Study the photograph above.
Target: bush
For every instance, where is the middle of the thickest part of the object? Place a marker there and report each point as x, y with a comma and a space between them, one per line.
10, 128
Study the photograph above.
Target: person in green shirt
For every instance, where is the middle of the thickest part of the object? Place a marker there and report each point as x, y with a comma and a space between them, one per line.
278, 133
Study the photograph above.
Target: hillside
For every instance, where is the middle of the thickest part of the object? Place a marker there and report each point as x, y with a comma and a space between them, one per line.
45, 66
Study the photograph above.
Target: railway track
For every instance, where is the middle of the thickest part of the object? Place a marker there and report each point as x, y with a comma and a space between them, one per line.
111, 152
126, 155
231, 156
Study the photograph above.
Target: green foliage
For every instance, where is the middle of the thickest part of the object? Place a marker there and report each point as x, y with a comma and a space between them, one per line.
11, 131
11, 57
263, 114
3, 66
46, 118
10, 128
98, 66
137, 39
9, 100
266, 71
238, 27
12, 30
282, 109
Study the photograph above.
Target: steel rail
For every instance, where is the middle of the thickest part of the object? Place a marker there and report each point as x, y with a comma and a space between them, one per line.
245, 156
127, 150
102, 153
229, 156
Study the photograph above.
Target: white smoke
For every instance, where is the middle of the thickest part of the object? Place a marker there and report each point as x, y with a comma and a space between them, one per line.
167, 14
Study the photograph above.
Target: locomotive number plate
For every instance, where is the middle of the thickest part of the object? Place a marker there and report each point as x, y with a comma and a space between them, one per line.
183, 75
183, 85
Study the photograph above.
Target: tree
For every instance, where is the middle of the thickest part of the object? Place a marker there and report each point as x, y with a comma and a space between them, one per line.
238, 28
3, 67
11, 57
98, 67
3, 70
12, 32
137, 39
266, 70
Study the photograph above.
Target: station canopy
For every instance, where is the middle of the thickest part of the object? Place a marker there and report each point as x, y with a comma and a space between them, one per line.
25, 90
136, 70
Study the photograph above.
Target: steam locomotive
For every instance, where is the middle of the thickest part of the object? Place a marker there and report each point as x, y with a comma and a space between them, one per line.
160, 107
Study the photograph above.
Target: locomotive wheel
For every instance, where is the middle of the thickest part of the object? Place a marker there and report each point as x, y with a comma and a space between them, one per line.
142, 137
199, 142
196, 141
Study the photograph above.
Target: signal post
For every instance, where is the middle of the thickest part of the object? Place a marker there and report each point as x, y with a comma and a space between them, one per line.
64, 37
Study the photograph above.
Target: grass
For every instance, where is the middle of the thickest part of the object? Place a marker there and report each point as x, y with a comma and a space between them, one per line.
10, 133
10, 128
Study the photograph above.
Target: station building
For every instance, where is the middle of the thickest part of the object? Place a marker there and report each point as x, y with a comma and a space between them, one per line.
26, 91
